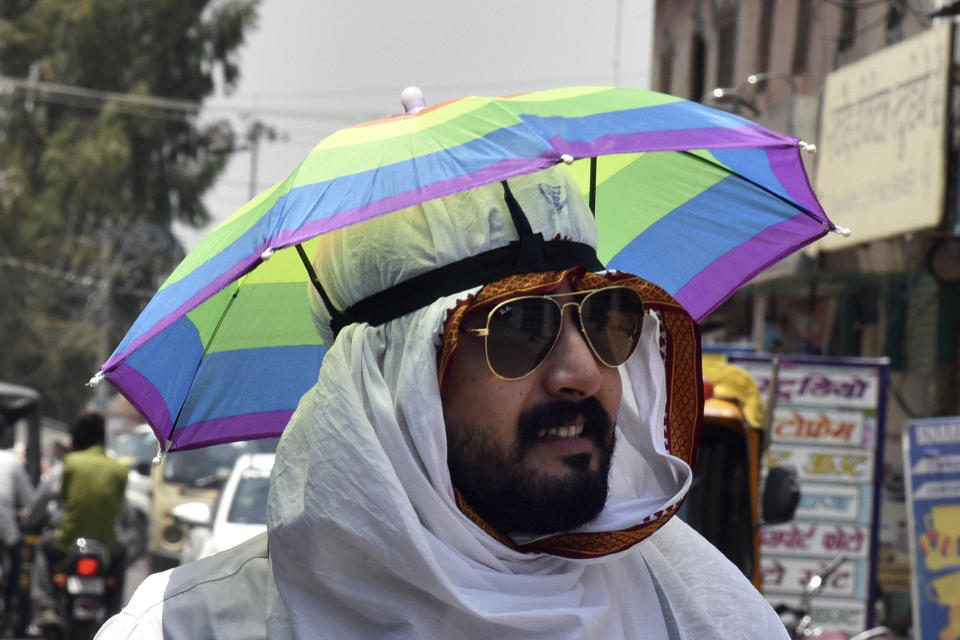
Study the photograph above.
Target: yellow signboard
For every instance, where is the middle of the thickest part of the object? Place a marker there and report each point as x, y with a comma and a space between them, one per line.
882, 148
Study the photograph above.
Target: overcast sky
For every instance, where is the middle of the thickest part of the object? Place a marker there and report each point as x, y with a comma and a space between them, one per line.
310, 68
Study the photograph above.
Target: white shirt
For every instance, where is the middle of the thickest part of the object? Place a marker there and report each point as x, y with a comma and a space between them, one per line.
15, 494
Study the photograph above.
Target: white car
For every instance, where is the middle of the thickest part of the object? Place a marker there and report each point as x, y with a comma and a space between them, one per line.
239, 514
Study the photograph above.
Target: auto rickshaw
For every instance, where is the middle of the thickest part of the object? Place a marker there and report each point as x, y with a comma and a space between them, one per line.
724, 503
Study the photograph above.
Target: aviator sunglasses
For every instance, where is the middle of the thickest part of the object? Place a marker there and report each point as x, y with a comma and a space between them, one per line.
520, 333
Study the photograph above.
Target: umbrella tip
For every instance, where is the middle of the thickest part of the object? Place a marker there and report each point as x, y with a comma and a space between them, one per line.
95, 380
844, 231
157, 459
412, 99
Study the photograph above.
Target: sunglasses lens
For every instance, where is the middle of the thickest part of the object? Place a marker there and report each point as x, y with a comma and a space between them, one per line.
612, 319
522, 331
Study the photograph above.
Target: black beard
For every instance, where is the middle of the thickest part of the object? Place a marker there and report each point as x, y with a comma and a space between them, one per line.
514, 498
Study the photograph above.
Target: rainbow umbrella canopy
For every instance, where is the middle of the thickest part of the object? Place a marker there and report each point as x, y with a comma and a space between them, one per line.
693, 199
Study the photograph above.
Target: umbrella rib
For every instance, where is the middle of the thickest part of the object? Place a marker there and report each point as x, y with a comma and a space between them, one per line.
206, 349
787, 201
593, 185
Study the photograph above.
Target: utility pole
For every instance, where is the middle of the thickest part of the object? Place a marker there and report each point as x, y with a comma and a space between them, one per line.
257, 130
104, 313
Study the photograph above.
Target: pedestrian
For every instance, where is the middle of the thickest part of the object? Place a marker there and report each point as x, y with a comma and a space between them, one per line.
45, 509
16, 492
497, 441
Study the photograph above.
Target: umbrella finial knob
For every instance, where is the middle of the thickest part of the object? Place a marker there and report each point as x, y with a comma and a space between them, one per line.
157, 459
412, 100
844, 231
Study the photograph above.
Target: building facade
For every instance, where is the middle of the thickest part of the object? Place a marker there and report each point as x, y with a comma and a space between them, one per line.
890, 289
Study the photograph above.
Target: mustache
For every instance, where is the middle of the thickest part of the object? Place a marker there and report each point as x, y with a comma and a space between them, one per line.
597, 424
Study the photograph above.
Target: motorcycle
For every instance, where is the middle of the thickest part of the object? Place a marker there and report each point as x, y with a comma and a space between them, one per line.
799, 622
84, 591
14, 589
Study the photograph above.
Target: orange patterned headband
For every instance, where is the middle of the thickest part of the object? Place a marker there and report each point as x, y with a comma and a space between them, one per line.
680, 347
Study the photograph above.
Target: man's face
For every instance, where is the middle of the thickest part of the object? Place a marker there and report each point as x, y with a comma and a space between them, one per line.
532, 455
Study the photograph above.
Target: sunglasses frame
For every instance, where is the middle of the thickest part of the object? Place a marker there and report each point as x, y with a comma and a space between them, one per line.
484, 332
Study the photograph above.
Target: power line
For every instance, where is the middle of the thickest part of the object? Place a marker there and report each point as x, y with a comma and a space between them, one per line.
394, 95
173, 108
163, 108
186, 107
60, 275
344, 117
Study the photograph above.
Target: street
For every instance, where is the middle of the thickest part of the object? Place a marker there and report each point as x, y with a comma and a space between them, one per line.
136, 572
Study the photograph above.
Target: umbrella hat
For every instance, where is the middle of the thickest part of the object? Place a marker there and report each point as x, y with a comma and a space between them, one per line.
694, 199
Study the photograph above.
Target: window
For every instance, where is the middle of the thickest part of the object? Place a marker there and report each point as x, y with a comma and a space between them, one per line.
210, 466
250, 501
894, 22
698, 64
726, 48
665, 66
801, 42
847, 35
665, 72
764, 38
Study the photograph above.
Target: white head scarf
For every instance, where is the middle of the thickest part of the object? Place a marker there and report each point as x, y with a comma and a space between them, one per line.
366, 539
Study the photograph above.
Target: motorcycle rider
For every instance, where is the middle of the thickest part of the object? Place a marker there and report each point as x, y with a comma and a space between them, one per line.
92, 493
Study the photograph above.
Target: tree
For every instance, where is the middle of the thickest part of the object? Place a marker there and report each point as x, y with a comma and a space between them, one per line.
101, 149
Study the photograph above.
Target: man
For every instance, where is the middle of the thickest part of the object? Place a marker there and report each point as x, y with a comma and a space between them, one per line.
16, 491
495, 446
92, 489
45, 508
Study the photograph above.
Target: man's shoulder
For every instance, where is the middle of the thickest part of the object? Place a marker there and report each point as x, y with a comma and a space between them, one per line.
222, 596
702, 590
94, 456
249, 560
74, 458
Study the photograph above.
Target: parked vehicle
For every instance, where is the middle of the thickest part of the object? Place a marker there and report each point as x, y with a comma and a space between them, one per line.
196, 475
84, 591
724, 503
239, 513
799, 622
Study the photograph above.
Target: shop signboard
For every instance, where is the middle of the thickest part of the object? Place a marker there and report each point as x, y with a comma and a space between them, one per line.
828, 425
931, 461
884, 132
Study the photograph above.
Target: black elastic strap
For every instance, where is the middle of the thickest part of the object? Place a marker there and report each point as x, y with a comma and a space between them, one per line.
332, 310
593, 186
520, 222
529, 254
